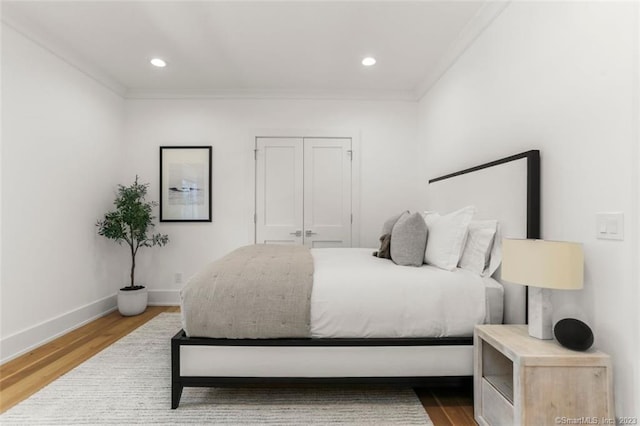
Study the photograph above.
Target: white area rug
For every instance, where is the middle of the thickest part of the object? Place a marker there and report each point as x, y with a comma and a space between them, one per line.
129, 383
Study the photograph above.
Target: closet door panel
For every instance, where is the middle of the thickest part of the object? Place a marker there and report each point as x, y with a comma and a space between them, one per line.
327, 192
279, 190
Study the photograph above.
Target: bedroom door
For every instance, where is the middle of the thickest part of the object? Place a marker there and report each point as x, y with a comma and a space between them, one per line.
279, 190
303, 191
327, 192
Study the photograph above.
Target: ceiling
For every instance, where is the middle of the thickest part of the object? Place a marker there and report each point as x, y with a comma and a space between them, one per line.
236, 48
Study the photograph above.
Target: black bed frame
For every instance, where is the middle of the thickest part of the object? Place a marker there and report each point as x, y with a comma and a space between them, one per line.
180, 339
178, 382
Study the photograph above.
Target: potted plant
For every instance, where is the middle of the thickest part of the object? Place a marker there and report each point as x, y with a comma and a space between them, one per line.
132, 222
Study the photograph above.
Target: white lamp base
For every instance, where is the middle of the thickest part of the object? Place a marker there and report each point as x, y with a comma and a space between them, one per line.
540, 323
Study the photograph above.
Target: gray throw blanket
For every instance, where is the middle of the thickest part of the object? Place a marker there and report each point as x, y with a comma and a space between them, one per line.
259, 291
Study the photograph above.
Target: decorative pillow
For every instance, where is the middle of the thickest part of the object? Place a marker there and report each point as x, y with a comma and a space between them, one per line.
447, 236
387, 227
385, 239
408, 240
477, 250
385, 247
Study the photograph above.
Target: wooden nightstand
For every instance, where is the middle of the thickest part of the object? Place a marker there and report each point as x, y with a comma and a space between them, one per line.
521, 380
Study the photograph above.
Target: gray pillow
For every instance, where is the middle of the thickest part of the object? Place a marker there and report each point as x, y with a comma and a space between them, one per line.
409, 240
388, 224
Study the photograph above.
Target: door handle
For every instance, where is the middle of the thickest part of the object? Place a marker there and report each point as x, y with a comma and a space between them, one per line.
297, 233
309, 233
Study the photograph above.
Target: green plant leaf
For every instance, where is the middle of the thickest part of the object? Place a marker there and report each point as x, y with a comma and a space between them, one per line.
131, 221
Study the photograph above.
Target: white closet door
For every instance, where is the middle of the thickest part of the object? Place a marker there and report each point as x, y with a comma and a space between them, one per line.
327, 192
279, 190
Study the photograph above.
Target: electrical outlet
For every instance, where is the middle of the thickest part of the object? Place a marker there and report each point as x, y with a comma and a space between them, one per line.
178, 277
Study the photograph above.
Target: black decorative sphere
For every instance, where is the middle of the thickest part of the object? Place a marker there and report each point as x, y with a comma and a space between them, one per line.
573, 334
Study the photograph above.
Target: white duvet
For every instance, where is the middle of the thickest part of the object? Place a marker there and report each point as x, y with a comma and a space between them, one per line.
358, 295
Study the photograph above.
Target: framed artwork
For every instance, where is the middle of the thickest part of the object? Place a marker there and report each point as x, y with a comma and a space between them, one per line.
185, 184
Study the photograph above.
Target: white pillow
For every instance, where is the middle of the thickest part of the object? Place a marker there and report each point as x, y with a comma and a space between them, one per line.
496, 253
477, 250
447, 236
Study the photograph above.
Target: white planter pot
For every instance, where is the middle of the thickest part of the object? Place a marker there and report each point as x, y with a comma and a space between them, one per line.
132, 302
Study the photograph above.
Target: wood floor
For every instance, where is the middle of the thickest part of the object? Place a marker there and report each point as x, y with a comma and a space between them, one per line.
23, 376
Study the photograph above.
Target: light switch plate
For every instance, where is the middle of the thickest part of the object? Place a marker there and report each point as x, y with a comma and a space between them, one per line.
610, 226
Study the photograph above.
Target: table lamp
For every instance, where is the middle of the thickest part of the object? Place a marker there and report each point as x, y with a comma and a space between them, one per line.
542, 265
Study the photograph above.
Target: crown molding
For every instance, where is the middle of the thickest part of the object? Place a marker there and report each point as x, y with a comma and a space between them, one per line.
354, 95
30, 31
485, 16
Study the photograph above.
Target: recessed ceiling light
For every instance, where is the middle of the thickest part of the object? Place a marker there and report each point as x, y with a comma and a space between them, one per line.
368, 61
157, 62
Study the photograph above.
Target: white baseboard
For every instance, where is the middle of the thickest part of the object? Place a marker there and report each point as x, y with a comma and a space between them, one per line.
164, 298
23, 341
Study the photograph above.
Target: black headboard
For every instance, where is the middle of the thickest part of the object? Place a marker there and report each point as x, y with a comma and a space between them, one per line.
507, 189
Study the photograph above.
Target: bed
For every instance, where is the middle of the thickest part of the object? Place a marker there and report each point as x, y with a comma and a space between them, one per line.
349, 346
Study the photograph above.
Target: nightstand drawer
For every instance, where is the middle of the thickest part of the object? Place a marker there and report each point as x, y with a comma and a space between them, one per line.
496, 410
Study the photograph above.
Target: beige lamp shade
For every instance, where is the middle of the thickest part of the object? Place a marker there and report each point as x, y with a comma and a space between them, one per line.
546, 264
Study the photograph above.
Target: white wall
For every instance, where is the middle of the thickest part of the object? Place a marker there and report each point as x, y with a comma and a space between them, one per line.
636, 198
387, 133
61, 143
561, 77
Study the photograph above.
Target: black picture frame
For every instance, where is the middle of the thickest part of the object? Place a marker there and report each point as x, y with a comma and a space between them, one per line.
185, 183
